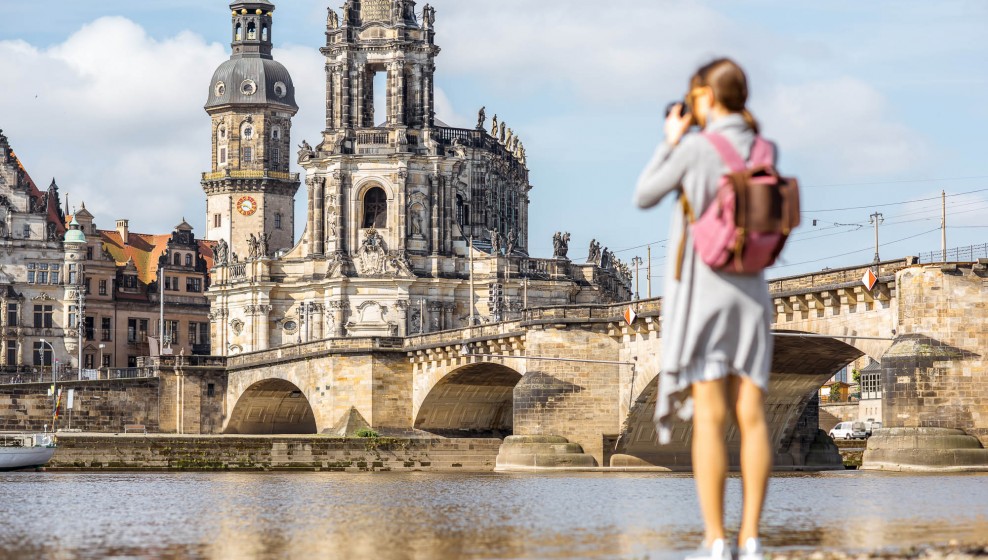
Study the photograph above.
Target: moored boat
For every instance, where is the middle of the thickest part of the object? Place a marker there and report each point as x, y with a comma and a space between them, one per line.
25, 451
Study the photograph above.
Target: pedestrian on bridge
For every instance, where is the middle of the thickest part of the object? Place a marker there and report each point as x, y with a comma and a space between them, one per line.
716, 338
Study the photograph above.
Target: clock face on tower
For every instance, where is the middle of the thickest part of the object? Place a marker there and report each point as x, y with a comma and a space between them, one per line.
247, 205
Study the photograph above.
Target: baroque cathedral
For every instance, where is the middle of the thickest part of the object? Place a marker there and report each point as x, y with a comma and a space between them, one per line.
413, 226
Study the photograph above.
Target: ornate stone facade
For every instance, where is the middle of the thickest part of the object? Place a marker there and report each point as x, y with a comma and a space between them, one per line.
109, 278
403, 210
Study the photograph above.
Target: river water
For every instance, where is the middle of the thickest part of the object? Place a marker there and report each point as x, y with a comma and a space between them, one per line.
439, 516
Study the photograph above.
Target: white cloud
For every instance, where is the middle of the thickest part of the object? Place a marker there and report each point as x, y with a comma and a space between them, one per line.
840, 127
116, 117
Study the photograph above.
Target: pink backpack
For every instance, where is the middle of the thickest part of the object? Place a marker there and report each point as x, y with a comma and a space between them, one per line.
746, 225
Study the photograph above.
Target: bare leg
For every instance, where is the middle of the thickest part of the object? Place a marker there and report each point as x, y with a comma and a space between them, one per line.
710, 453
756, 453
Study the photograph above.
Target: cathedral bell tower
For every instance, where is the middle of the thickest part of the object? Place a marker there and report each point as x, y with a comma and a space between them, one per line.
249, 189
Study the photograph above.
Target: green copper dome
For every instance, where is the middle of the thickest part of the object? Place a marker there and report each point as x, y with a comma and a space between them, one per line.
75, 235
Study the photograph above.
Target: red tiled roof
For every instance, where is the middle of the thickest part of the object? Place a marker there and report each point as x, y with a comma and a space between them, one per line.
143, 249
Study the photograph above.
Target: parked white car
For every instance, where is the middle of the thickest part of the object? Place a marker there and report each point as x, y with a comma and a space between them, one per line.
849, 430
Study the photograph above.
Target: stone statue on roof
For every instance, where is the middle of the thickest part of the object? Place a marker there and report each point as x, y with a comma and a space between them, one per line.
332, 20
481, 118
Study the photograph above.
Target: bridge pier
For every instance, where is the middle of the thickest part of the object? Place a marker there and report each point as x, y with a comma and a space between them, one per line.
576, 400
935, 375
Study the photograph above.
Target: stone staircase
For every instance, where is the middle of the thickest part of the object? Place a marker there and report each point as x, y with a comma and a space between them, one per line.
527, 453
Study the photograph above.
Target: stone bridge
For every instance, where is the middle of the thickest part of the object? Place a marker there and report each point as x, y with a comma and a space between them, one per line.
585, 374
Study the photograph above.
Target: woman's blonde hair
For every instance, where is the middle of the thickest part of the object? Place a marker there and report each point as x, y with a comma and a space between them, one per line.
729, 84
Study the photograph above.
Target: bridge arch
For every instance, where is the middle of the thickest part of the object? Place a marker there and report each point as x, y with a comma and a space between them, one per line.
272, 406
799, 367
476, 399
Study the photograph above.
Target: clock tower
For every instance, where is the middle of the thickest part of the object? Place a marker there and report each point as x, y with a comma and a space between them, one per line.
250, 193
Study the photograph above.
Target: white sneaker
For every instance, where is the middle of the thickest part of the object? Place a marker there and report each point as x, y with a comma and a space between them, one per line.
751, 550
717, 550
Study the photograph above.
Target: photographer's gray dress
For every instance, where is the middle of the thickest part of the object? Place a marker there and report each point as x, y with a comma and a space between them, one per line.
713, 323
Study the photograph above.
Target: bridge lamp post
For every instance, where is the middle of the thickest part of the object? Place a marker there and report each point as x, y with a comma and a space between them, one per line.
101, 347
876, 219
637, 261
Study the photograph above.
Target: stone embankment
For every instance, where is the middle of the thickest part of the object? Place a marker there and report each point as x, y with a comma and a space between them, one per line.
154, 452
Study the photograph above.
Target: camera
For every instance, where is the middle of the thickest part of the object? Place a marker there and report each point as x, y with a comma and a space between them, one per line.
684, 111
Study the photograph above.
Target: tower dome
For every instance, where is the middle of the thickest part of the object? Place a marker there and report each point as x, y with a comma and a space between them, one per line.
251, 76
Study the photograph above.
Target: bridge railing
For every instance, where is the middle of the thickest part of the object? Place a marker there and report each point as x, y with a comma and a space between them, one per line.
971, 253
835, 277
328, 345
611, 312
465, 333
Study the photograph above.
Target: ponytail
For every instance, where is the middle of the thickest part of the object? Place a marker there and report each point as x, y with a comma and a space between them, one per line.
750, 119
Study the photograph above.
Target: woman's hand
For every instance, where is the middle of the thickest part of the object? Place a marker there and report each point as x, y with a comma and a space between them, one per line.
677, 124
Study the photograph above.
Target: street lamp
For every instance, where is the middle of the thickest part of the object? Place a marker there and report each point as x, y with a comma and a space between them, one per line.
637, 261
876, 219
54, 381
101, 347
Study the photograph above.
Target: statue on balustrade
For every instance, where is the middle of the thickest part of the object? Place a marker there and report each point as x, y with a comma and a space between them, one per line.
511, 241
222, 253
332, 20
494, 128
482, 118
594, 256
560, 244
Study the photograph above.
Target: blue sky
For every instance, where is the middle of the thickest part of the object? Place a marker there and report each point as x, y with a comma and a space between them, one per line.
874, 105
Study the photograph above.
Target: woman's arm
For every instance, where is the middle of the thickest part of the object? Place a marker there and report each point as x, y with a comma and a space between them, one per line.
663, 174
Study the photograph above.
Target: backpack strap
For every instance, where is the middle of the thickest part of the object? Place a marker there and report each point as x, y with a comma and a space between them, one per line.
762, 152
727, 152
688, 218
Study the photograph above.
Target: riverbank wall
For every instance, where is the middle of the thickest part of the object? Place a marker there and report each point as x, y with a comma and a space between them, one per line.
165, 452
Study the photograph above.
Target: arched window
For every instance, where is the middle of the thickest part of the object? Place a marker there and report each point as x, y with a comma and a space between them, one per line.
251, 31
264, 33
188, 259
177, 260
375, 209
277, 221
239, 34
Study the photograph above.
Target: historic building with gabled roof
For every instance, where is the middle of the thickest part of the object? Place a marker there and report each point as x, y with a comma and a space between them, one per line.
412, 226
56, 268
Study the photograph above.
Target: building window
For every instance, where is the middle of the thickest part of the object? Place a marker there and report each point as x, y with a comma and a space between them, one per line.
130, 281
871, 385
90, 361
177, 259
90, 328
27, 231
223, 155
11, 352
73, 275
107, 359
198, 333
171, 283
248, 155
277, 221
131, 361
210, 389
89, 253
43, 316
276, 155
73, 310
375, 209
88, 284
42, 354
12, 315
217, 220
102, 287
106, 329
137, 330
188, 259
171, 332
56, 274
193, 285
251, 31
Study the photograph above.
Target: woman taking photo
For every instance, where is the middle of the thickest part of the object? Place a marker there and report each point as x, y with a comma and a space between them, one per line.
716, 339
